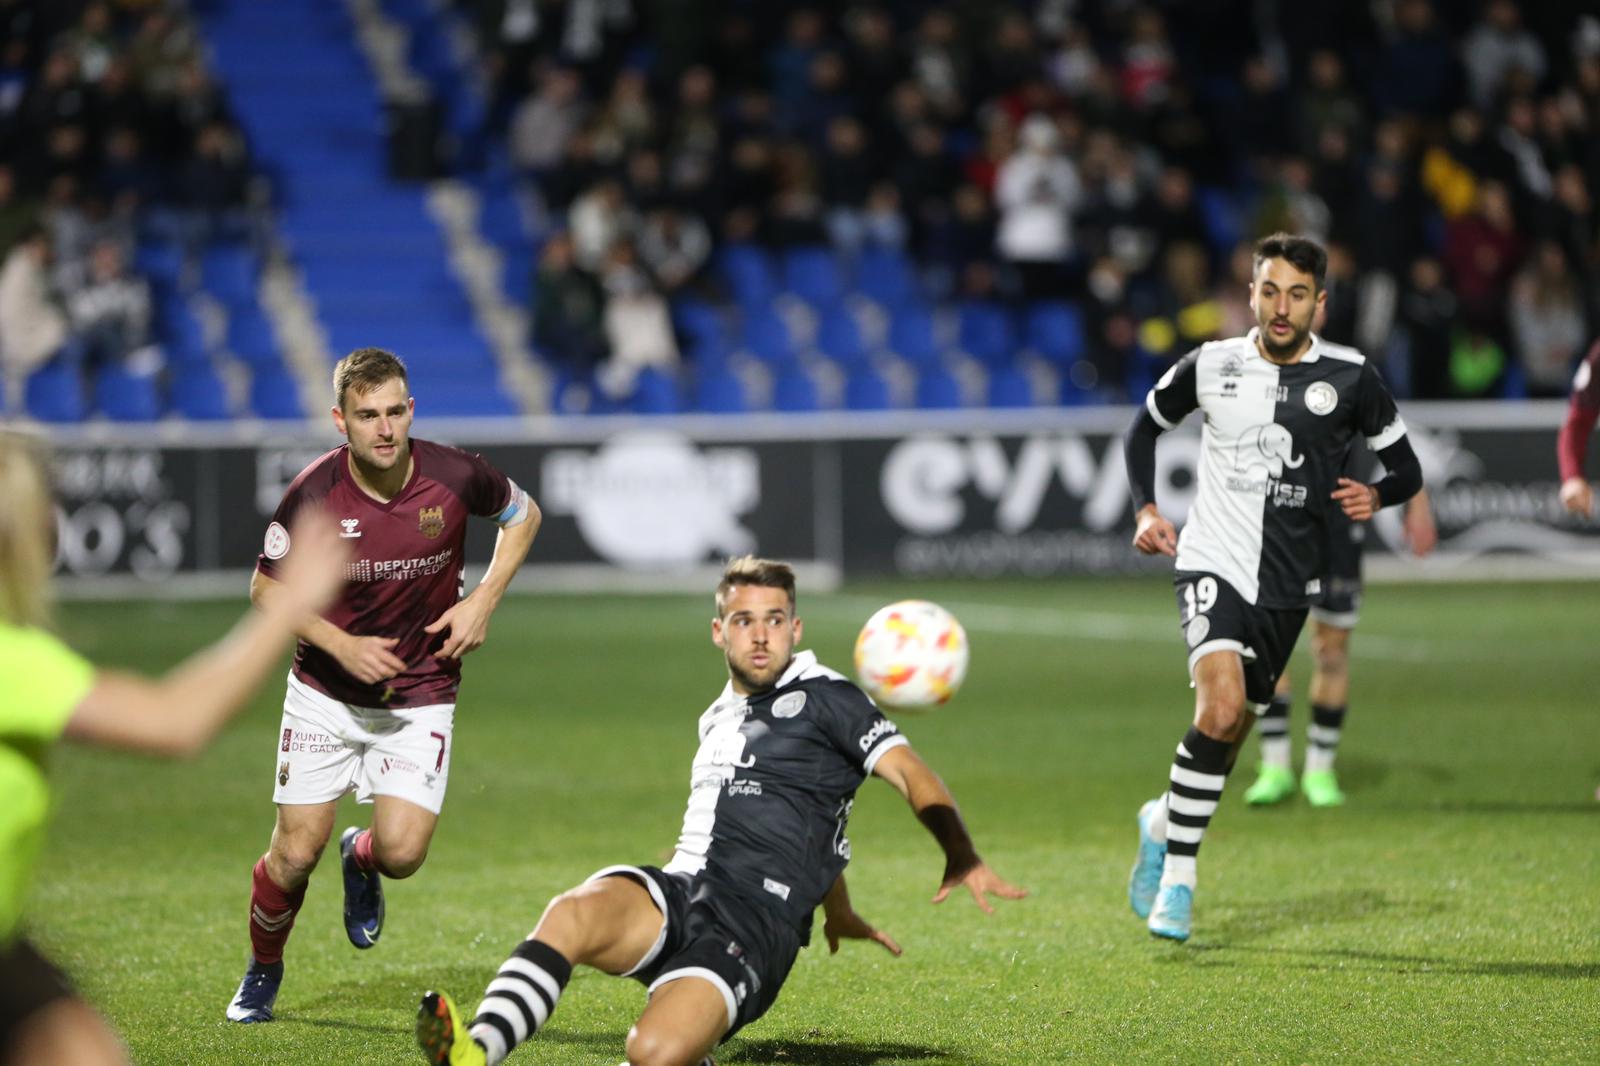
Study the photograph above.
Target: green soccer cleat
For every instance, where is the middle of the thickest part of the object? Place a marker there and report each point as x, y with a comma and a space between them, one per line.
1321, 788
1273, 785
441, 1036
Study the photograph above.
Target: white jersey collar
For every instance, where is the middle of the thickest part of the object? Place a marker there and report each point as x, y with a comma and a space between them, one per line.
1313, 353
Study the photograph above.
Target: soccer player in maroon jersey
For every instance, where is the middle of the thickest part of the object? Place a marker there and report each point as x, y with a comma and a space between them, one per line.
1583, 410
371, 697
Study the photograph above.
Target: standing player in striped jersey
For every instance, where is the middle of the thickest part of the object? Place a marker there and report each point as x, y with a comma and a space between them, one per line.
370, 705
713, 933
1282, 408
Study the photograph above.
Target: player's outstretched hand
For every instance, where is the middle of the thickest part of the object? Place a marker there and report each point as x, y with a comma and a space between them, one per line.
982, 882
468, 623
1358, 499
852, 926
312, 575
369, 660
1577, 497
1155, 535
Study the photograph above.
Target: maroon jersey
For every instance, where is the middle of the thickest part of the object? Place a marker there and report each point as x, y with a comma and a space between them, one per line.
407, 570
1582, 411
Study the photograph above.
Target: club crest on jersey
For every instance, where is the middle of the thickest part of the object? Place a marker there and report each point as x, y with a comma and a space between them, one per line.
788, 705
430, 521
283, 774
1321, 398
276, 545
1231, 367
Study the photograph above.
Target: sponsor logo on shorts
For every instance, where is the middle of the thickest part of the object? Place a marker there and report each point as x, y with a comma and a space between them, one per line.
879, 730
788, 705
1197, 630
394, 762
777, 888
1314, 587
283, 773
430, 521
311, 743
288, 735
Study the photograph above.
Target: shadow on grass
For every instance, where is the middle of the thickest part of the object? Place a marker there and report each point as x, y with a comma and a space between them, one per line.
1424, 964
1585, 806
832, 1053
1242, 922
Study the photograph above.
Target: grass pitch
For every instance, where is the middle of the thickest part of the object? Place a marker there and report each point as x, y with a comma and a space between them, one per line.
1449, 913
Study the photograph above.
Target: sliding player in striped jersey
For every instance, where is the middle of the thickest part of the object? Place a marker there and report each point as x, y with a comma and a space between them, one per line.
714, 932
1281, 409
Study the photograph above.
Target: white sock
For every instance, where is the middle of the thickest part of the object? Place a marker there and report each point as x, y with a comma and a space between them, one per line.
1178, 870
1157, 825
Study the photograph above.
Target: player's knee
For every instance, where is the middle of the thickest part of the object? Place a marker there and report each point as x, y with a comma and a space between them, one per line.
294, 857
1331, 652
654, 1045
400, 859
1222, 715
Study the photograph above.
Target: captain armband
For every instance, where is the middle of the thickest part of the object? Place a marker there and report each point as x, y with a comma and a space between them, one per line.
516, 511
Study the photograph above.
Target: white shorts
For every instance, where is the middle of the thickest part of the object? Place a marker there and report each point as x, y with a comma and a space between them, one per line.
327, 748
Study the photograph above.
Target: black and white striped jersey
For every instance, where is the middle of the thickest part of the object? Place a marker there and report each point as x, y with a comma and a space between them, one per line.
773, 783
1274, 444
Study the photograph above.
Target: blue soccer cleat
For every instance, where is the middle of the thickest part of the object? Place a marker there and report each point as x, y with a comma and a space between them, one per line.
363, 895
257, 993
1146, 876
1173, 912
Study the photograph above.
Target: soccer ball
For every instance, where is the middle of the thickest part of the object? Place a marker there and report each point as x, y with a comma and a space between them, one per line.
911, 655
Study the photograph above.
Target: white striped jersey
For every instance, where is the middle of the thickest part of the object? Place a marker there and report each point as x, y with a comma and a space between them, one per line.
773, 783
1274, 444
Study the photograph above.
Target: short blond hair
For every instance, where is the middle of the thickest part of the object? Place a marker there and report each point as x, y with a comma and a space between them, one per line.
749, 570
364, 370
27, 542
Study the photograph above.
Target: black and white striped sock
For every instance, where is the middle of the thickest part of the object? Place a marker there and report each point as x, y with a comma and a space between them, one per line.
1195, 786
520, 999
1322, 736
1274, 728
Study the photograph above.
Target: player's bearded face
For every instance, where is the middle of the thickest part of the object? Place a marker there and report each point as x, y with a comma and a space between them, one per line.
1285, 301
377, 424
757, 634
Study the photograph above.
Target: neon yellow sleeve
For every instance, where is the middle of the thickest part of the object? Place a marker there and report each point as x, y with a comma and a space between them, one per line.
45, 680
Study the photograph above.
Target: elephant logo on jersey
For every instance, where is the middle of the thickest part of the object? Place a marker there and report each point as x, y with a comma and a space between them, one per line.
430, 521
1270, 446
1321, 398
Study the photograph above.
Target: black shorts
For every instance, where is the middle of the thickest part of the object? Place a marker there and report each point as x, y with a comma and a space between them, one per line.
1215, 617
743, 948
28, 984
1339, 604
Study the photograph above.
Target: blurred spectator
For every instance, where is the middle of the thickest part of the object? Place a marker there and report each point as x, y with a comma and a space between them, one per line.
1482, 251
18, 213
846, 173
1231, 293
627, 123
674, 246
1327, 102
215, 186
1416, 73
637, 324
1547, 320
1496, 46
1426, 321
91, 43
568, 307
1036, 192
33, 327
110, 314
599, 219
542, 124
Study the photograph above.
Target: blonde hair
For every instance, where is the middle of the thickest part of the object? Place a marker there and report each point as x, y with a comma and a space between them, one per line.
27, 522
749, 570
364, 370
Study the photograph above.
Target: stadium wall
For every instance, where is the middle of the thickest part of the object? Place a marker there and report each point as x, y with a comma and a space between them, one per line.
652, 504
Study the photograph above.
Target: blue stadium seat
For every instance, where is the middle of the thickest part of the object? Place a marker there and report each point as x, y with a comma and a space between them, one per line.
655, 392
720, 392
887, 276
866, 390
767, 335
1055, 330
839, 337
813, 275
938, 389
160, 261
748, 273
986, 332
250, 336
54, 393
229, 272
794, 389
911, 336
274, 393
180, 331
1010, 387
125, 397
699, 321
198, 395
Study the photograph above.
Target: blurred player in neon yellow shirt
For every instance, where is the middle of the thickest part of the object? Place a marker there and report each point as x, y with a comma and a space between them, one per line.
53, 693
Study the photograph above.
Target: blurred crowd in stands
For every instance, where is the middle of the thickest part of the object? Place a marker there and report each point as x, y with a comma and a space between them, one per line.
1118, 156
113, 134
